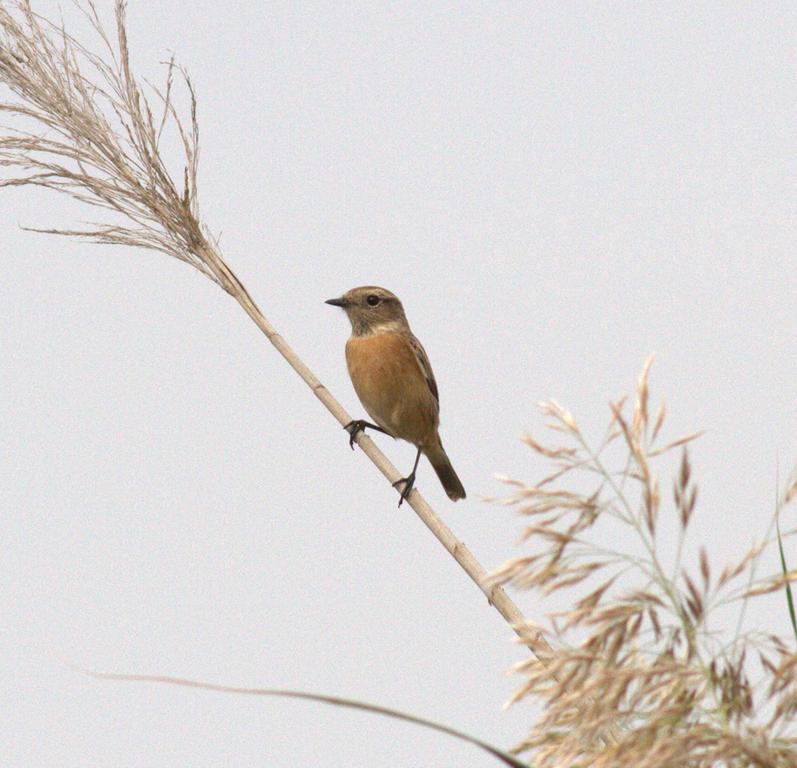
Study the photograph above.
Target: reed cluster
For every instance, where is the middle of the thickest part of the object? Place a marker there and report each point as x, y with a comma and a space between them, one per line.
640, 676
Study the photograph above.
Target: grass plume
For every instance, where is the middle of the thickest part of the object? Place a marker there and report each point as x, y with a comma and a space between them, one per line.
83, 125
634, 649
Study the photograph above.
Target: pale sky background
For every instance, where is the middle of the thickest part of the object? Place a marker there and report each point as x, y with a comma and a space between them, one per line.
554, 189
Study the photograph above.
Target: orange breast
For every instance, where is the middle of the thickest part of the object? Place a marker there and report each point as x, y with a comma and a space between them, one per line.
391, 386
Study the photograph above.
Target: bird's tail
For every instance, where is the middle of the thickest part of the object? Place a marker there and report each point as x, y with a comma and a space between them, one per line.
441, 464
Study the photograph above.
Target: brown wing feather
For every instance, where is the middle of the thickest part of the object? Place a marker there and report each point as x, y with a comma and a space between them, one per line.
426, 366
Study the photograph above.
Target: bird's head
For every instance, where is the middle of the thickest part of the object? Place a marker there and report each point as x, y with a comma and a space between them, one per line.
371, 309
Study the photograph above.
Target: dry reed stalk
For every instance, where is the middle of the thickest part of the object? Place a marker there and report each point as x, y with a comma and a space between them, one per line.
634, 648
87, 129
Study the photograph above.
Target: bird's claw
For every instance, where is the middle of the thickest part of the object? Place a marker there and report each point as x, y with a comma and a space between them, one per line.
354, 428
409, 484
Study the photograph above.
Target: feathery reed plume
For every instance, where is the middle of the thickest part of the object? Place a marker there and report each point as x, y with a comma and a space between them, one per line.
634, 650
68, 100
87, 128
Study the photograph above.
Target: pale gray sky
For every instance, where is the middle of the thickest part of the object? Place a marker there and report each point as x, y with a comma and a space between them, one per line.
554, 189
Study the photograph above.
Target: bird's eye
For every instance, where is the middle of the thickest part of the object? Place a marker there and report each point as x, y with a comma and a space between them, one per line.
372, 300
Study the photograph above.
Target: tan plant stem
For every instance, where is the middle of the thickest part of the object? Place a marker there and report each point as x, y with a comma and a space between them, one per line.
496, 596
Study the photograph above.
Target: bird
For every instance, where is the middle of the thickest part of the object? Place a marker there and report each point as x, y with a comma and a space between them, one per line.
393, 378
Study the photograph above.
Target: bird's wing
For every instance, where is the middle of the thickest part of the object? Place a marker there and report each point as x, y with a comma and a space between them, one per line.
425, 365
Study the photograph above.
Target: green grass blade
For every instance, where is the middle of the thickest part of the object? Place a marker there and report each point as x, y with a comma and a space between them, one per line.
787, 586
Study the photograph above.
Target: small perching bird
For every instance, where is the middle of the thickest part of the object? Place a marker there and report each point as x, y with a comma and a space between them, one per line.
394, 381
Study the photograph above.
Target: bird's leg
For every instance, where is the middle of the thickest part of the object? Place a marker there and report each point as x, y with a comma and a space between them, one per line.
408, 481
358, 425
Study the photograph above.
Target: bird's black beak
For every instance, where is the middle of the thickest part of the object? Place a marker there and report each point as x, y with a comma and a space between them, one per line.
336, 302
